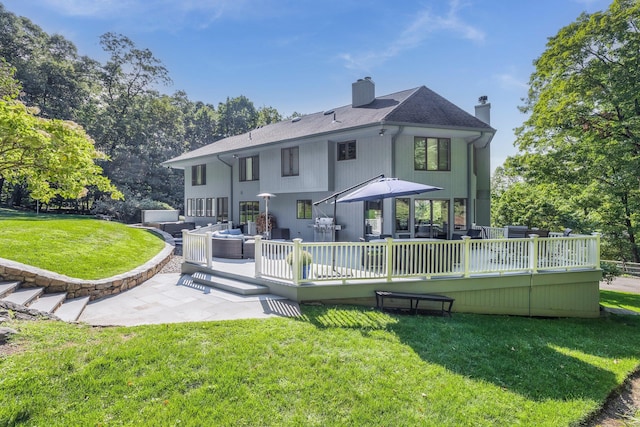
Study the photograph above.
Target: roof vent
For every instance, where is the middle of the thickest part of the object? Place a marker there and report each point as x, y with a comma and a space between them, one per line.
296, 119
326, 113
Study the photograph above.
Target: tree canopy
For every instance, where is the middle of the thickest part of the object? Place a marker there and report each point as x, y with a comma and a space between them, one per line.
583, 132
53, 157
118, 104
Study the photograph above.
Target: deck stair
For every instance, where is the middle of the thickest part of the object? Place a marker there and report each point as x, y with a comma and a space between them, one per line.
233, 285
57, 304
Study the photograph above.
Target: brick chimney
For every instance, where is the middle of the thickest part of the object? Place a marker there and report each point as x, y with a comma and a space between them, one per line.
363, 92
483, 110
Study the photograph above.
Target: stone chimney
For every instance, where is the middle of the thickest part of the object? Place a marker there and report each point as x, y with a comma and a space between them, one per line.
363, 92
483, 110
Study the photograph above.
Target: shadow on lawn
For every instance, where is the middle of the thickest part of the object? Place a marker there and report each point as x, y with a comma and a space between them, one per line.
620, 300
539, 359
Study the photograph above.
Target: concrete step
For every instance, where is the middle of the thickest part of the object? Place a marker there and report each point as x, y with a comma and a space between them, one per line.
230, 285
48, 302
7, 287
71, 309
23, 296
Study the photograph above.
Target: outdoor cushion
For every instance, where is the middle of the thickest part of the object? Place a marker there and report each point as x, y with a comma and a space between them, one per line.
234, 232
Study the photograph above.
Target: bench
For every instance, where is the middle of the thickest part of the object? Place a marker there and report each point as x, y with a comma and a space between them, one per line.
381, 295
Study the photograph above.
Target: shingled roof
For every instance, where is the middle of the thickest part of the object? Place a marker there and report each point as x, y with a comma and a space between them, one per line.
419, 106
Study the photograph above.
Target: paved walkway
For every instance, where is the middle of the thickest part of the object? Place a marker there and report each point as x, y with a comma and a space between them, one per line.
169, 298
623, 284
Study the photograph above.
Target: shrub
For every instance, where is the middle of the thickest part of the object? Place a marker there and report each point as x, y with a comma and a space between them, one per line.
127, 211
305, 258
609, 271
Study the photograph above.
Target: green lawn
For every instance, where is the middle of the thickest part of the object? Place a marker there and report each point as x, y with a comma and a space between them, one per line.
624, 300
333, 367
79, 247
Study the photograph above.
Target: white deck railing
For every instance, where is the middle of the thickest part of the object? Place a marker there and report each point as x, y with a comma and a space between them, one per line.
342, 261
406, 259
196, 244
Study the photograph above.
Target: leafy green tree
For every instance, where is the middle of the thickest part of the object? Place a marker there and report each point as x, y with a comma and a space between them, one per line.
236, 116
583, 132
53, 157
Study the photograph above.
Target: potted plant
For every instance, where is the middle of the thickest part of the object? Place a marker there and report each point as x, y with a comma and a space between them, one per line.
305, 262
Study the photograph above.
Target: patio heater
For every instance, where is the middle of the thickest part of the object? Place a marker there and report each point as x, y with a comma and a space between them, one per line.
266, 197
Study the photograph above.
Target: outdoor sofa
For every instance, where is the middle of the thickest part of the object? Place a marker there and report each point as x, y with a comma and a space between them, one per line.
232, 244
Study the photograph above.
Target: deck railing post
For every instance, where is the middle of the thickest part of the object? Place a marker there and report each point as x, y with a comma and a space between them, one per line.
467, 255
258, 256
208, 248
533, 250
295, 265
595, 249
389, 259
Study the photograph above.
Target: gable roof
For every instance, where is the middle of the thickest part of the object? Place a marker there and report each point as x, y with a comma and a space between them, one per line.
419, 106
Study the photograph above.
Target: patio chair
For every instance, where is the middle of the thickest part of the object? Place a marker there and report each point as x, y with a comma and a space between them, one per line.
517, 231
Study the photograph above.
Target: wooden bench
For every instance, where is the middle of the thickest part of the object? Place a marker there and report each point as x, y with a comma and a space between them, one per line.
381, 295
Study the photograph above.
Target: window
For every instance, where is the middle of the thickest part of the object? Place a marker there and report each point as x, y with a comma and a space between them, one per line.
199, 207
209, 208
199, 175
249, 211
303, 209
373, 217
249, 168
460, 214
189, 210
347, 150
222, 209
290, 160
432, 154
402, 214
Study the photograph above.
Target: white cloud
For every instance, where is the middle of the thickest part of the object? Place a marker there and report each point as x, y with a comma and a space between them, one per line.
414, 35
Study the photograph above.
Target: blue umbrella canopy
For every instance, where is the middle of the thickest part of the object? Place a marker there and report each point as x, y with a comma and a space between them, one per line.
386, 187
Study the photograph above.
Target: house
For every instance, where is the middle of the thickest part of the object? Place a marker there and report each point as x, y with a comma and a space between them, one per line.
415, 135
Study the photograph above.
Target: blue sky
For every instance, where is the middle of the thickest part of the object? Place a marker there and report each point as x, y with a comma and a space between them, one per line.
303, 55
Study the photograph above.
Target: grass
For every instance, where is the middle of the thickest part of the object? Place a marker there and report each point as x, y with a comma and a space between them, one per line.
80, 247
624, 300
342, 366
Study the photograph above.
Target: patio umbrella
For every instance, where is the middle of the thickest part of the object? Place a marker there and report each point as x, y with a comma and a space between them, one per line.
266, 197
386, 187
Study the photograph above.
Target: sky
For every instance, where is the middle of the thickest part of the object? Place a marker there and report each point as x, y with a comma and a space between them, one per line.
302, 55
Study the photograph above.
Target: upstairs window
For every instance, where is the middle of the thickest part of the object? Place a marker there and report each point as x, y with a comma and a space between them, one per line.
290, 161
199, 175
346, 150
249, 168
432, 154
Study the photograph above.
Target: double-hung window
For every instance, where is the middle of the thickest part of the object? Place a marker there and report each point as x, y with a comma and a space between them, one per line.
249, 168
432, 154
199, 175
290, 161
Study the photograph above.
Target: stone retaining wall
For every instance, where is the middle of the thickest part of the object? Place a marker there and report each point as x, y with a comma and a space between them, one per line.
54, 282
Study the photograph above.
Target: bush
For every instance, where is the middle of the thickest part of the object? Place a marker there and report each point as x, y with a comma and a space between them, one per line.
128, 211
609, 271
305, 258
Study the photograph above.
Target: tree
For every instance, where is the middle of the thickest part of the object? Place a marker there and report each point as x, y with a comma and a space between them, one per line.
53, 157
583, 132
236, 116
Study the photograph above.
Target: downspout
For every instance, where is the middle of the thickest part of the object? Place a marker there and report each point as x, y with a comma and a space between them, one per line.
231, 187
